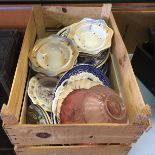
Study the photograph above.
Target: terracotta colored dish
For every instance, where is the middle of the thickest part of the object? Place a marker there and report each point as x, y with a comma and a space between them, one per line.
102, 104
99, 104
72, 110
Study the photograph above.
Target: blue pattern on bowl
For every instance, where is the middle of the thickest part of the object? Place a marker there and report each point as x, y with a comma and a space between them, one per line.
85, 68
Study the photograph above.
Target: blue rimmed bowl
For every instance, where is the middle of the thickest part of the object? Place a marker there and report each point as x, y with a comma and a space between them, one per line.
85, 68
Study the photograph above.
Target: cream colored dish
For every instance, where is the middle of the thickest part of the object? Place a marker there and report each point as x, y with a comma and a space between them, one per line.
90, 36
41, 90
53, 55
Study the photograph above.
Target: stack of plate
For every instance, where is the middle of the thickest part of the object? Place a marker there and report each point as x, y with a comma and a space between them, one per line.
37, 115
78, 78
40, 91
83, 95
53, 55
91, 38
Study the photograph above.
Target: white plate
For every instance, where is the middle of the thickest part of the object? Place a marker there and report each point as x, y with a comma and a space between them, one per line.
90, 36
64, 90
41, 89
53, 55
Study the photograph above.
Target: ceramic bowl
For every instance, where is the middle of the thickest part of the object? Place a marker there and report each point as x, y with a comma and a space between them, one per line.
53, 55
102, 105
80, 77
64, 91
87, 57
90, 36
99, 104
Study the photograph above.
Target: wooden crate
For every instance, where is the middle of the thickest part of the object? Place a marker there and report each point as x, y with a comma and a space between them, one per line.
106, 138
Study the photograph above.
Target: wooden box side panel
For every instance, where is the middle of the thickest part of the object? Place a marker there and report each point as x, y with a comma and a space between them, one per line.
74, 150
66, 15
73, 133
61, 16
10, 113
138, 112
25, 101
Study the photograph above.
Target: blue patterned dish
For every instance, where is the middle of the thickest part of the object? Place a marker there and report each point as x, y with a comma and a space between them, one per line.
64, 32
87, 69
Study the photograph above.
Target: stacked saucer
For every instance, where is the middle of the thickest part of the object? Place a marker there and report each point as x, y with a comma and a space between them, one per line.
81, 77
83, 95
91, 38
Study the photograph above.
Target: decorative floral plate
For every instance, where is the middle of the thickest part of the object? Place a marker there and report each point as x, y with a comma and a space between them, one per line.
41, 89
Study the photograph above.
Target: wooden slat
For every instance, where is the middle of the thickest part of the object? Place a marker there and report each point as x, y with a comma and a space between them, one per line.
74, 150
39, 21
24, 110
74, 134
25, 102
10, 114
138, 112
57, 16
106, 11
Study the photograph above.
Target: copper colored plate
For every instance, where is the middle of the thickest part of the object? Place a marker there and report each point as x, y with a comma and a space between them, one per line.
72, 110
108, 105
99, 104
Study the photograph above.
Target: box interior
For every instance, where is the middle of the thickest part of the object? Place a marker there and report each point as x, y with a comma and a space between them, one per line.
121, 76
52, 24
